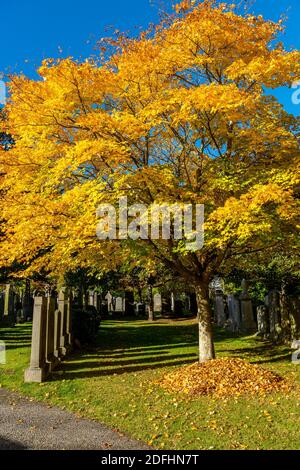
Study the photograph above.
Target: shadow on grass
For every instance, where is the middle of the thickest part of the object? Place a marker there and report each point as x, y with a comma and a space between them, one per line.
264, 353
71, 373
15, 333
16, 337
122, 347
131, 345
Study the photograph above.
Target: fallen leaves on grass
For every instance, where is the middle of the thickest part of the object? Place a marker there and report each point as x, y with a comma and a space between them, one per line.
224, 378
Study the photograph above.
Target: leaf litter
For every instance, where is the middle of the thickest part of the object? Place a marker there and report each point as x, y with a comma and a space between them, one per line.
224, 378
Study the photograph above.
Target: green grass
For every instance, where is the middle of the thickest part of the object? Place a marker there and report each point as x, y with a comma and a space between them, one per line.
113, 382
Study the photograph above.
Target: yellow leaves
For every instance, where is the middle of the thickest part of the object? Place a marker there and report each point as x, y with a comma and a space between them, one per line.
172, 116
183, 6
248, 216
266, 415
222, 378
273, 68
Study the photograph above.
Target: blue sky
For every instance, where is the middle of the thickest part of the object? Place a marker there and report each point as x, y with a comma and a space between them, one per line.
32, 30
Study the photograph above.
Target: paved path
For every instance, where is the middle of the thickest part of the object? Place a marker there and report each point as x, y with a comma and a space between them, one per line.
27, 424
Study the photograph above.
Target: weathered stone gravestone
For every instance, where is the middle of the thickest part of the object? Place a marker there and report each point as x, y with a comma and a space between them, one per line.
27, 303
119, 305
51, 358
19, 315
294, 314
38, 369
234, 313
274, 313
248, 324
91, 298
94, 300
1, 306
51, 335
220, 308
172, 302
157, 303
9, 305
187, 303
2, 352
57, 331
217, 284
262, 320
66, 319
296, 355
109, 299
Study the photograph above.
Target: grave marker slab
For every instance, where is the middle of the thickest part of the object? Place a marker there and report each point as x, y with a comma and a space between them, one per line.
38, 370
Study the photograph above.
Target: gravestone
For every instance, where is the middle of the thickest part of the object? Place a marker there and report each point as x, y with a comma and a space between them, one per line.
57, 333
262, 320
97, 301
94, 300
274, 313
294, 313
217, 284
69, 301
157, 303
220, 314
19, 308
109, 299
27, 303
2, 352
1, 306
248, 324
119, 305
9, 305
172, 302
38, 370
234, 313
63, 308
187, 303
51, 359
90, 298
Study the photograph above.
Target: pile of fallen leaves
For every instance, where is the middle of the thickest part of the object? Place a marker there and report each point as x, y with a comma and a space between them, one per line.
224, 378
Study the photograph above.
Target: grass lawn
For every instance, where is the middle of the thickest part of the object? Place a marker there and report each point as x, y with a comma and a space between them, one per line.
113, 383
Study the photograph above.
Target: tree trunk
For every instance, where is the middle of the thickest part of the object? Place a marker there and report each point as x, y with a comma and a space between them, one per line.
206, 344
151, 306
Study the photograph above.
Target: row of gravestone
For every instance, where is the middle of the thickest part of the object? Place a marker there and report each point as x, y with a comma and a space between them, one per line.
279, 318
16, 306
161, 305
235, 313
268, 320
51, 335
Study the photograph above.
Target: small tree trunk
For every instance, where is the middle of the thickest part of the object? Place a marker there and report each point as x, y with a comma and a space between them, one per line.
206, 344
151, 306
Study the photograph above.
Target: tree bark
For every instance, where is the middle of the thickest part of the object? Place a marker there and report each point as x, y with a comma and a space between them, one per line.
151, 306
206, 344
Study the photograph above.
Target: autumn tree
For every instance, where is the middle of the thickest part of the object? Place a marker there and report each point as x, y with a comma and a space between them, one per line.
180, 114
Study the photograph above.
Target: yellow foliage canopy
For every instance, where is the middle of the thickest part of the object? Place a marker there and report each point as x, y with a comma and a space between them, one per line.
180, 114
